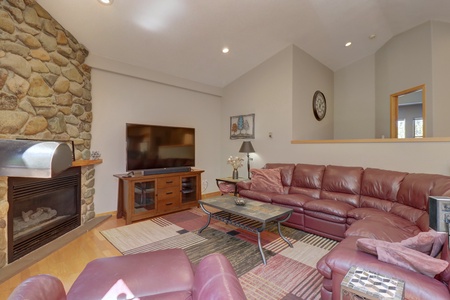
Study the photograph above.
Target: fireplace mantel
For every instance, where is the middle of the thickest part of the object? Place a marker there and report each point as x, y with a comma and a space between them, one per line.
83, 163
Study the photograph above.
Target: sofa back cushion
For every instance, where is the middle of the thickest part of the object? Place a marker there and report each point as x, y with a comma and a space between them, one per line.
441, 187
342, 184
307, 180
380, 187
416, 188
286, 172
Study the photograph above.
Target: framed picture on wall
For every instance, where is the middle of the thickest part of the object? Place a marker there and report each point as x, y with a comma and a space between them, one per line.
242, 127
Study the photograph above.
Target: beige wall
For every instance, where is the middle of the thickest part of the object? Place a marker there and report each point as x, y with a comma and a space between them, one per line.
440, 109
354, 92
404, 62
266, 91
119, 99
308, 77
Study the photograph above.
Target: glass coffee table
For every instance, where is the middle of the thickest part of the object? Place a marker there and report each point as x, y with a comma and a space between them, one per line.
253, 216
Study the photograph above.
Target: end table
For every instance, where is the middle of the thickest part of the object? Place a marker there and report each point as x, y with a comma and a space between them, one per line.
230, 181
364, 284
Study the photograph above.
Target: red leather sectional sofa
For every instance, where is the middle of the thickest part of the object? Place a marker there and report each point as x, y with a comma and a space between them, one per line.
349, 203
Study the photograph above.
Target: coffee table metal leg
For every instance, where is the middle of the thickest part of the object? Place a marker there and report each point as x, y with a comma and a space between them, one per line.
283, 237
281, 234
209, 218
260, 247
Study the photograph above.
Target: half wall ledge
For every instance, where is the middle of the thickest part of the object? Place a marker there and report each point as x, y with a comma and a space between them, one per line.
387, 140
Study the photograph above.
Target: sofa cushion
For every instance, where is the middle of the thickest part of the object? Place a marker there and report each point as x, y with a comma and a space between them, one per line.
331, 207
255, 195
380, 204
266, 180
381, 184
295, 200
406, 212
307, 180
342, 184
364, 212
382, 228
415, 189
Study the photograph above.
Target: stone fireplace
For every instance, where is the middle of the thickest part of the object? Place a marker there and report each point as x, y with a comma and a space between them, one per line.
45, 94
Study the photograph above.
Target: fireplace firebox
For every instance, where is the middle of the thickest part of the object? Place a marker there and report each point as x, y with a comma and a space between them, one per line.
41, 210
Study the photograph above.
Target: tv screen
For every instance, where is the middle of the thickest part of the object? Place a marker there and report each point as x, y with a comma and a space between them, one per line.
159, 147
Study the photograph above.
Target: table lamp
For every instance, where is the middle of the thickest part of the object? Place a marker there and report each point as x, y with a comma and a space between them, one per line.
247, 147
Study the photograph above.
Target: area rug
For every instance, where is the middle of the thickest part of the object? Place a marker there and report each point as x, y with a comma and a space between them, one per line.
290, 273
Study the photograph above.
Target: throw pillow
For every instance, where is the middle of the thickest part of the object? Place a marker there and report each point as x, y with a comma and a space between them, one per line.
410, 259
369, 245
429, 242
266, 180
399, 255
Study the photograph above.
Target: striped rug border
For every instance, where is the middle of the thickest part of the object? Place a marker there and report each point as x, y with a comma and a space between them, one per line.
318, 241
182, 241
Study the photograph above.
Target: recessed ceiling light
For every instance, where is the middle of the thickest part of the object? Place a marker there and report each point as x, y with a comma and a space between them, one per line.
106, 2
225, 50
348, 44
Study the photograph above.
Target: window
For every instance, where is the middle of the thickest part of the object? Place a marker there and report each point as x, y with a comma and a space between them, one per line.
401, 130
418, 127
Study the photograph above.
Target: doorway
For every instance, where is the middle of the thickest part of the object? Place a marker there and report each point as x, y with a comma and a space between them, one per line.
408, 113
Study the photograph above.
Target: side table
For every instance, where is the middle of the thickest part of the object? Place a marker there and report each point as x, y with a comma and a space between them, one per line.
364, 284
229, 181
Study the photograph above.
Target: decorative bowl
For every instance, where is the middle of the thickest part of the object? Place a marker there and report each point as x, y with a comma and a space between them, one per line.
239, 201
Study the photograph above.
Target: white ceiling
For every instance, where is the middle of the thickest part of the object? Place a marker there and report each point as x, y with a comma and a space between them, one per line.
184, 38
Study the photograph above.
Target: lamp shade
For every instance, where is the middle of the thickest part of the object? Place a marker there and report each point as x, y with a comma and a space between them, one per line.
247, 147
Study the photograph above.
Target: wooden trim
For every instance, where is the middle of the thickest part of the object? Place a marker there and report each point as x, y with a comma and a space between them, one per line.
394, 116
394, 109
417, 140
83, 163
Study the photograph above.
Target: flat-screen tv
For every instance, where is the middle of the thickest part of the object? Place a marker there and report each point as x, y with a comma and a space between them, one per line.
157, 149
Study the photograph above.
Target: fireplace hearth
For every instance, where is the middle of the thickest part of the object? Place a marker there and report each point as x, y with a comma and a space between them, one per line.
42, 210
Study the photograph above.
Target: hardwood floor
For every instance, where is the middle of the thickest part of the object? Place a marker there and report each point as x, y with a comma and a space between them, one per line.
67, 262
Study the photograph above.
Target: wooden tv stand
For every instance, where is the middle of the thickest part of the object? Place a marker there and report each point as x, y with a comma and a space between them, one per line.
144, 196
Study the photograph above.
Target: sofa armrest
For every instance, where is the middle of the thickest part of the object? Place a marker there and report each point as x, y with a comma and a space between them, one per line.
215, 278
39, 287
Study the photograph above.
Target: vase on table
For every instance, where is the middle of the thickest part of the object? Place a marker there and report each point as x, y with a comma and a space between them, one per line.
235, 174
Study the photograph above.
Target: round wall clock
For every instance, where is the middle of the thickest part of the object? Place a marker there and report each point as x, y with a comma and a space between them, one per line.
319, 105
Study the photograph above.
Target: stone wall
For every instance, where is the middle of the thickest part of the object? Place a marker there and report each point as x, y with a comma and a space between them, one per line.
45, 91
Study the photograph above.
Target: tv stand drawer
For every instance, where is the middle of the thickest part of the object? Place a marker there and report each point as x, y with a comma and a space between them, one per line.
168, 205
169, 193
166, 182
